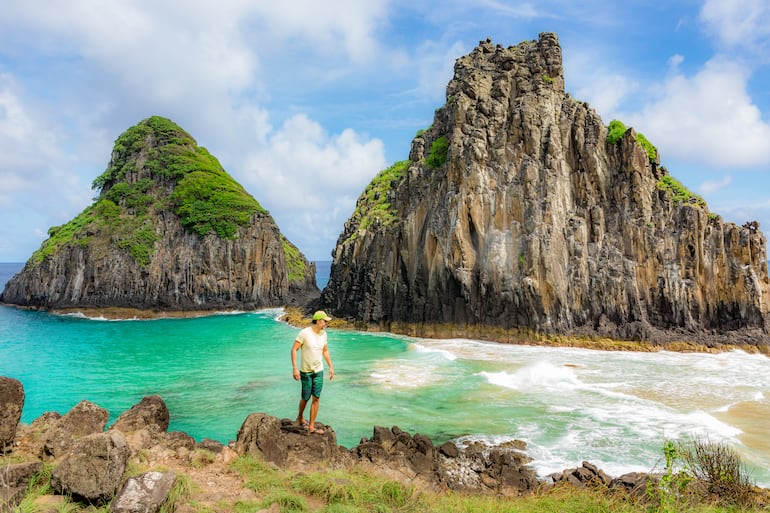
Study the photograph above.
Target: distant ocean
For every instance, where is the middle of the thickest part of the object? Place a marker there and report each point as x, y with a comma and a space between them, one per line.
614, 409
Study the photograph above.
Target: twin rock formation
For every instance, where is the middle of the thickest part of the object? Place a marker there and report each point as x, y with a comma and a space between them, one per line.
514, 215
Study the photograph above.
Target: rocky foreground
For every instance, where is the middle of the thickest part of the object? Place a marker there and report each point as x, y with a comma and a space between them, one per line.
94, 465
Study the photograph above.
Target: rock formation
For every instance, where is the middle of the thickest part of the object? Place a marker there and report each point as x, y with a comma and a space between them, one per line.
517, 215
11, 405
170, 230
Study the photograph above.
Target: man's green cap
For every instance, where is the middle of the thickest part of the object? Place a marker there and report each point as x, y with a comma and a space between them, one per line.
320, 314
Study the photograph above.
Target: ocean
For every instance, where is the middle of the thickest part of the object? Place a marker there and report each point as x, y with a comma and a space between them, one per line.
613, 409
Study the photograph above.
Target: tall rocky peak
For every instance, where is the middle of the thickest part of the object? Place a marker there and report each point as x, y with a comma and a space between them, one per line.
516, 214
170, 230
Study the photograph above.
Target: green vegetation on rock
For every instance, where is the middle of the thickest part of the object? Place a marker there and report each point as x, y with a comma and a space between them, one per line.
156, 166
438, 153
58, 236
679, 193
295, 264
616, 129
373, 206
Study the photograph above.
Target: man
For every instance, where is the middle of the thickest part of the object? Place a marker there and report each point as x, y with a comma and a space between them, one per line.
314, 349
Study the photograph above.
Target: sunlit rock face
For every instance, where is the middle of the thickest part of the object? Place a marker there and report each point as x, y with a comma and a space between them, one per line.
530, 220
170, 230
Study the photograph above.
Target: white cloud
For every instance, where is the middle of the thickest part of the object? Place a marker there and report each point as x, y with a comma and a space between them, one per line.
603, 88
745, 23
350, 24
708, 118
309, 180
711, 186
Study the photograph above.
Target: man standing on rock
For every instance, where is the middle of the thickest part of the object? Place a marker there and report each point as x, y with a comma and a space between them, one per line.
314, 349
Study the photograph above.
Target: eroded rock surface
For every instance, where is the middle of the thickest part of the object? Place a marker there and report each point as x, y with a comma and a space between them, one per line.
170, 231
529, 220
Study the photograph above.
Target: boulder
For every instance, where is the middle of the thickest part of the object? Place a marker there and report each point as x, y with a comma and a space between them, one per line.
635, 483
585, 475
144, 493
150, 411
92, 470
19, 474
10, 497
478, 467
84, 419
14, 479
491, 469
11, 404
286, 444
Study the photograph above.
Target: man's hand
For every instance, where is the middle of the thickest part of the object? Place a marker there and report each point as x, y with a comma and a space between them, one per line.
331, 374
296, 375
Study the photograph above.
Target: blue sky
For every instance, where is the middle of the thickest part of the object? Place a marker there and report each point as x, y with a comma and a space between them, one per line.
303, 102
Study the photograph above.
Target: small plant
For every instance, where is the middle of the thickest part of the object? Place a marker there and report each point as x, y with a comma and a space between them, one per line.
201, 458
719, 468
182, 489
616, 130
289, 502
667, 492
438, 153
652, 152
547, 79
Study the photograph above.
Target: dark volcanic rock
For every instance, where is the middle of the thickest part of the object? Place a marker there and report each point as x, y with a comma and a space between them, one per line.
11, 405
477, 468
150, 411
144, 493
93, 468
85, 418
514, 213
286, 444
170, 230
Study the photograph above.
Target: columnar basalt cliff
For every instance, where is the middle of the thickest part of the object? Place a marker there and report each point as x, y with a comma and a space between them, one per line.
170, 230
516, 214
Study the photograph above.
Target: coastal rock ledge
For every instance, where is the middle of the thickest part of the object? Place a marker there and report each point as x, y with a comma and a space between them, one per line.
90, 463
519, 211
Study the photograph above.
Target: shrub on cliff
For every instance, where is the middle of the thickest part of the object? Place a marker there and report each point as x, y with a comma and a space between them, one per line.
616, 129
438, 153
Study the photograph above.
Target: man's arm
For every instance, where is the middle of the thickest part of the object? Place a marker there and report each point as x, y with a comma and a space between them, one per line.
294, 348
328, 359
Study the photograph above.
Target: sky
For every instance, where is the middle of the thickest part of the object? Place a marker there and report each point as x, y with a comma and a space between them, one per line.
304, 102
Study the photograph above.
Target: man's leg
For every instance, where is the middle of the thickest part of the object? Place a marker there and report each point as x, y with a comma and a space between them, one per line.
307, 389
301, 414
314, 412
317, 386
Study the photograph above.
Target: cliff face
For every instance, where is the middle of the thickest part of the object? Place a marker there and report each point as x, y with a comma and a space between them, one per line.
170, 230
515, 212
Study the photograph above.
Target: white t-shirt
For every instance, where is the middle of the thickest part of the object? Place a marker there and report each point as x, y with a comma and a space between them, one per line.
312, 346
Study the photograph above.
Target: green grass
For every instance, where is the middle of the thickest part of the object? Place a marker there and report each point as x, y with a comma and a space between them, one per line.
338, 491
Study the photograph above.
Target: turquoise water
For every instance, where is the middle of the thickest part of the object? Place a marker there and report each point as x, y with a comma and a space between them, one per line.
611, 408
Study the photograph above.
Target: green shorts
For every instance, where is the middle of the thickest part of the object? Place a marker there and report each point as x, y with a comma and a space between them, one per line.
312, 384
